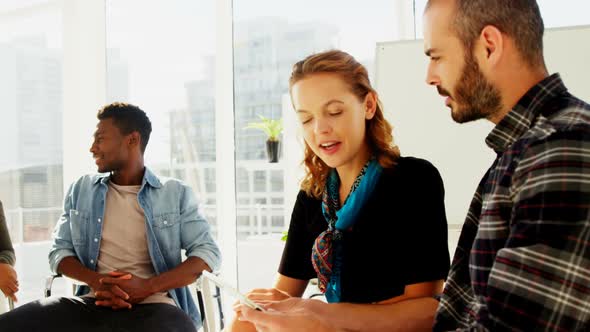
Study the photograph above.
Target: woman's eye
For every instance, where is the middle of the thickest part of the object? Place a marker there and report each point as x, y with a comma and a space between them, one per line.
336, 112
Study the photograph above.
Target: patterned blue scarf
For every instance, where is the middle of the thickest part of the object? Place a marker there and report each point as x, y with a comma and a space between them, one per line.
327, 250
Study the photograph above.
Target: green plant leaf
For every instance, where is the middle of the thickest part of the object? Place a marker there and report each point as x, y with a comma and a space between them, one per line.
272, 128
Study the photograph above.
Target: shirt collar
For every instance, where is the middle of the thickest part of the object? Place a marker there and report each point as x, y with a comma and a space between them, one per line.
524, 114
148, 177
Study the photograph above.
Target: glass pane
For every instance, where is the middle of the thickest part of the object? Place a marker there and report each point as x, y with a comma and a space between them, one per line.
161, 58
31, 180
269, 37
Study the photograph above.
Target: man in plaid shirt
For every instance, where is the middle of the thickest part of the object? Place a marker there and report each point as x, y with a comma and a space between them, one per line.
523, 258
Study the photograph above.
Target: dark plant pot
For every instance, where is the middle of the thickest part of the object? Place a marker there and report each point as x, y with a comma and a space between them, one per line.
272, 151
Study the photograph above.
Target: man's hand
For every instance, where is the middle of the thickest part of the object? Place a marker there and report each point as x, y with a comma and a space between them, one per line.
111, 295
291, 315
8, 281
106, 295
135, 287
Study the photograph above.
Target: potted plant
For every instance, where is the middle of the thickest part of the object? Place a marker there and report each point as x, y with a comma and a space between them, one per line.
273, 129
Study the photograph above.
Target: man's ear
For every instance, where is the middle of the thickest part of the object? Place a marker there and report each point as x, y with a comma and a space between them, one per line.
490, 47
134, 139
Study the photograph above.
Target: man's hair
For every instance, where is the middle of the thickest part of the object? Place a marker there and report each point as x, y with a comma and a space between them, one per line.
128, 118
519, 19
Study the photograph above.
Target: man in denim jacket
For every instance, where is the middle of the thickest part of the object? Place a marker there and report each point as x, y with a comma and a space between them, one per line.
122, 233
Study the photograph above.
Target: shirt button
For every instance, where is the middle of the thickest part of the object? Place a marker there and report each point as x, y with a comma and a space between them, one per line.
98, 219
92, 261
77, 212
165, 222
95, 240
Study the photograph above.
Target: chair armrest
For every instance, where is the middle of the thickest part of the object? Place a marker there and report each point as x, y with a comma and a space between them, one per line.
6, 303
205, 298
49, 283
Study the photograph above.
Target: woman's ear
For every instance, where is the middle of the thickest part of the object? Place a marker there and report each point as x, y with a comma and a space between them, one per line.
370, 105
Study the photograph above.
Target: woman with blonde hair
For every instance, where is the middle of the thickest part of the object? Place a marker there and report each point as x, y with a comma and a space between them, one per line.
368, 223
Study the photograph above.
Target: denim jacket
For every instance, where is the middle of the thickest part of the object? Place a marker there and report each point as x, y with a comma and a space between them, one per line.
174, 222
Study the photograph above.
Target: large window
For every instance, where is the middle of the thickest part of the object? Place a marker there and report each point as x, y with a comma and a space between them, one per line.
31, 185
160, 58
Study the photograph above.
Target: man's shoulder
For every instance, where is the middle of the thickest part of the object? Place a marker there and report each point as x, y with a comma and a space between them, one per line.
561, 138
172, 183
168, 188
160, 182
571, 113
566, 121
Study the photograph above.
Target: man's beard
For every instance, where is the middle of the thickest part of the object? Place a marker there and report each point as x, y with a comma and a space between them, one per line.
475, 97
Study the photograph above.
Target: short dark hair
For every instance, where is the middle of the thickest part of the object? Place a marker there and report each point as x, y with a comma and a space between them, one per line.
519, 19
128, 118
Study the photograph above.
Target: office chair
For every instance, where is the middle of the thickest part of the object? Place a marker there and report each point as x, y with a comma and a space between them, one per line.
206, 298
4, 301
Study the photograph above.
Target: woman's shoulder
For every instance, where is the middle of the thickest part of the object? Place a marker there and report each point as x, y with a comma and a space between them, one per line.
307, 212
307, 203
409, 167
304, 197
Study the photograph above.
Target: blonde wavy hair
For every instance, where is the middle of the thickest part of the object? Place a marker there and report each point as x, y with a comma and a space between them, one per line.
378, 130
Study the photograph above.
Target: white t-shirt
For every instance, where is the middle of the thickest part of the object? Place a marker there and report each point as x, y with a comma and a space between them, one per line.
124, 244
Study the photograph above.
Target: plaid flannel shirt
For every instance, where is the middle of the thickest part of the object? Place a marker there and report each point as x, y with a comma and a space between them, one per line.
523, 258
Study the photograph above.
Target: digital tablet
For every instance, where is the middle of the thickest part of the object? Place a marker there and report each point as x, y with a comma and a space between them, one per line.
224, 286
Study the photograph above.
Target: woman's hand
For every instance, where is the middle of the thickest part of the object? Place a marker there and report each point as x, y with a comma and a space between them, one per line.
267, 295
285, 288
262, 296
8, 281
291, 315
